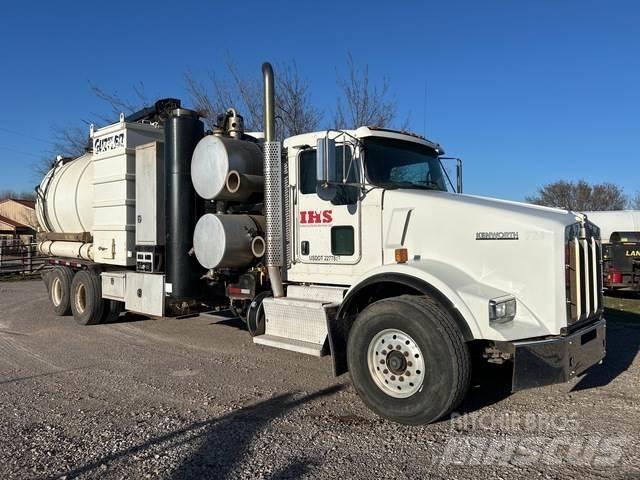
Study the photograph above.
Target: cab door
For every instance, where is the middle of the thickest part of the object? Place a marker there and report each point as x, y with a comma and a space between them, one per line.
327, 232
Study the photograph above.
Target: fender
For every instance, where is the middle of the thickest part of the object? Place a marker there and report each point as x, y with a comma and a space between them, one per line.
420, 278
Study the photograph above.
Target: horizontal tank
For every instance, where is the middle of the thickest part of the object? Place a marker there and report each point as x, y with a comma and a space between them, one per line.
226, 241
65, 197
215, 157
81, 250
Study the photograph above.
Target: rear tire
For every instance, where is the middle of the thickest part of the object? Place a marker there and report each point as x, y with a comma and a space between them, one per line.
58, 284
425, 374
87, 305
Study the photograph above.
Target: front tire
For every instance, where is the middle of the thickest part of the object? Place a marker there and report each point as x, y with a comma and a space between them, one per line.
408, 359
87, 305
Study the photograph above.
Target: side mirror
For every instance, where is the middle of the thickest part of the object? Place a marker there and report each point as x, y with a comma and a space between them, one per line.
458, 187
326, 161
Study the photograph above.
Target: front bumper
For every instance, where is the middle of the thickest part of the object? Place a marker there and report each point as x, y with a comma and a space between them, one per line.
559, 359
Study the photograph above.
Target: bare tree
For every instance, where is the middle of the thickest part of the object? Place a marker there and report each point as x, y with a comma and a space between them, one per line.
73, 141
213, 96
20, 195
580, 196
362, 102
295, 111
118, 103
70, 141
293, 103
634, 203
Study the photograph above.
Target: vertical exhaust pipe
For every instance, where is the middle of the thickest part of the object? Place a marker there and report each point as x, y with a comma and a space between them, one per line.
272, 187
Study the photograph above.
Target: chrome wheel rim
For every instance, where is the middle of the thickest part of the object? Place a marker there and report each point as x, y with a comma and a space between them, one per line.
56, 291
396, 363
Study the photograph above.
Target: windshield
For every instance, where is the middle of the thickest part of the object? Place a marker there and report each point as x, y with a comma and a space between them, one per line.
393, 163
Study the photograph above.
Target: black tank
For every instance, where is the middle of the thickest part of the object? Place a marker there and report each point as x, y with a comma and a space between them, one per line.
182, 131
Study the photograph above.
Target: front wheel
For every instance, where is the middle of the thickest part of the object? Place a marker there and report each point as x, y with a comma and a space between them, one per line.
408, 359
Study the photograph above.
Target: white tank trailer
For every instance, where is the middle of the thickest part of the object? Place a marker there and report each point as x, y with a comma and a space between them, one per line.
87, 204
340, 242
131, 202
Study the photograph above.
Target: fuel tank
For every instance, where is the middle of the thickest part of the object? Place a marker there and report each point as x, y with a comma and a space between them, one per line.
227, 241
216, 157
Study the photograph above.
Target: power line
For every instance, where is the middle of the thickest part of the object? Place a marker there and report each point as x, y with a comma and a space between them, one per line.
2, 147
13, 132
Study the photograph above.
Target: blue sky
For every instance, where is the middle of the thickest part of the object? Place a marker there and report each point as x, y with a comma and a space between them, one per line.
527, 92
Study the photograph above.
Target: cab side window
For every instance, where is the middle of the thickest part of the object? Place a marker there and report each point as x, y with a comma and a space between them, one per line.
307, 182
347, 194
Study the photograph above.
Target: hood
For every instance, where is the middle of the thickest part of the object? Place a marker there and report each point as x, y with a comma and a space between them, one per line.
488, 204
497, 247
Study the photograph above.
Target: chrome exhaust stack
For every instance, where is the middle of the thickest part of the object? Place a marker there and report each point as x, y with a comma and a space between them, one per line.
272, 187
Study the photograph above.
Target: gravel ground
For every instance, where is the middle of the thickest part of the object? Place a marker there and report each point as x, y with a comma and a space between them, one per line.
194, 398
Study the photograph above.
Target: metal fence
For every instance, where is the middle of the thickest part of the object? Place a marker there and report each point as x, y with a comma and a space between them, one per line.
19, 258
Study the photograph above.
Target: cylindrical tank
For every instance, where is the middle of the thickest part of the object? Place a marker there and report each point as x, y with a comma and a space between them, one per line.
65, 197
182, 131
224, 241
242, 186
213, 159
66, 249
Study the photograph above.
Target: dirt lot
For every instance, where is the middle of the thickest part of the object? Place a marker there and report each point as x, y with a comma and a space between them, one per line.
194, 398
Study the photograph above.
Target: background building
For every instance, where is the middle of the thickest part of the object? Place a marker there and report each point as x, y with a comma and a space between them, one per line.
18, 219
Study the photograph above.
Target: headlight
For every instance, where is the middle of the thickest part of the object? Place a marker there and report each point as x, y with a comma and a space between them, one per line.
502, 309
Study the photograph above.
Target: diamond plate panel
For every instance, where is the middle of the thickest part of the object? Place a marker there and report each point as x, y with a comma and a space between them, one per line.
297, 319
316, 293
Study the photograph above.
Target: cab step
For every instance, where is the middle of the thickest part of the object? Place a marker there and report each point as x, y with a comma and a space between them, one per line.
297, 324
299, 346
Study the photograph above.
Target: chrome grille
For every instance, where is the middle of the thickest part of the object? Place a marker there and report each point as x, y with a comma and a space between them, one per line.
583, 272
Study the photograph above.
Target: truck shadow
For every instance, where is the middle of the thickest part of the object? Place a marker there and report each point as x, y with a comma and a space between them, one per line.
128, 317
223, 442
46, 374
225, 317
623, 343
490, 384
630, 294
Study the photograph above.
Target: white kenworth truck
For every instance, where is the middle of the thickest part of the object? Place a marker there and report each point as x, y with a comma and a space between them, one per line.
345, 243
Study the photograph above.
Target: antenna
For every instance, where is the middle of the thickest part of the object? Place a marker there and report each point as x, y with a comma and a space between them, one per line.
424, 111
